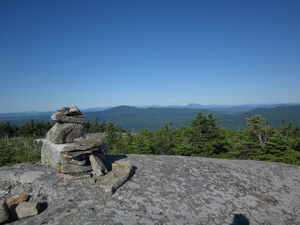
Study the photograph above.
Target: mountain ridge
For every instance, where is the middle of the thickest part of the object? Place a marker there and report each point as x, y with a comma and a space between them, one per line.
134, 118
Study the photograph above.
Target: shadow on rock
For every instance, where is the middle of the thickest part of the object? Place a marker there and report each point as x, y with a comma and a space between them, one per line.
43, 207
240, 219
110, 159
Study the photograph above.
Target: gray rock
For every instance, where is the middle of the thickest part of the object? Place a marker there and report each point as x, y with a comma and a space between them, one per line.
72, 111
98, 166
120, 173
88, 143
16, 199
99, 136
75, 167
75, 147
50, 154
62, 118
25, 209
67, 161
74, 176
65, 133
165, 190
4, 213
74, 154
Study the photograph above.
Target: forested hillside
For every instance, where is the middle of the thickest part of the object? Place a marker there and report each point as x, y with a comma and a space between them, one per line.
203, 136
132, 118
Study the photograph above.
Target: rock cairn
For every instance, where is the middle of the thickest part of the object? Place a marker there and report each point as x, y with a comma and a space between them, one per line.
69, 126
67, 149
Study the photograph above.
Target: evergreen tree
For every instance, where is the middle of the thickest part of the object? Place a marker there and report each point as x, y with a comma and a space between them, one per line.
259, 129
203, 138
110, 135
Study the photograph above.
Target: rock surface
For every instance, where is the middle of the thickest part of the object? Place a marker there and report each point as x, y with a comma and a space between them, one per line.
62, 118
25, 209
97, 165
164, 190
16, 199
4, 213
65, 133
121, 172
74, 157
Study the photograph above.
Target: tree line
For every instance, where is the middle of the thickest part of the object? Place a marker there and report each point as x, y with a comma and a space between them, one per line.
204, 137
31, 129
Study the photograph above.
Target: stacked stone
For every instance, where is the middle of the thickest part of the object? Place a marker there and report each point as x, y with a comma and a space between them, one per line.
69, 126
66, 148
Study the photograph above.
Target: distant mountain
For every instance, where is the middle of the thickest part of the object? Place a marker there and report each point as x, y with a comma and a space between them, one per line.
138, 118
230, 109
152, 118
25, 114
95, 109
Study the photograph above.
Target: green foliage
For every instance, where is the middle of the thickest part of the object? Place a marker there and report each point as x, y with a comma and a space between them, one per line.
259, 129
163, 141
204, 137
32, 129
238, 144
18, 150
111, 135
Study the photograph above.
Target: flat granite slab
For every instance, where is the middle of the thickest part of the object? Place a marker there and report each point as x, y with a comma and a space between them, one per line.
164, 190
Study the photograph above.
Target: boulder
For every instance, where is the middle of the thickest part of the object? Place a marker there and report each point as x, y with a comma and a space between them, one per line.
50, 154
4, 212
65, 133
98, 166
75, 166
72, 111
70, 158
16, 199
78, 153
120, 173
62, 118
25, 209
88, 143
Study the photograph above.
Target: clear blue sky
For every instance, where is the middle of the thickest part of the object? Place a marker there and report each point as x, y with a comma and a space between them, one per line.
98, 53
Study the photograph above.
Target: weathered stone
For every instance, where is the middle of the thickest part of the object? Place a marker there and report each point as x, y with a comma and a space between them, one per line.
98, 166
122, 166
4, 212
165, 190
88, 143
120, 173
80, 161
62, 118
72, 111
66, 161
16, 199
25, 209
64, 110
99, 136
74, 154
50, 154
65, 133
74, 176
69, 167
74, 147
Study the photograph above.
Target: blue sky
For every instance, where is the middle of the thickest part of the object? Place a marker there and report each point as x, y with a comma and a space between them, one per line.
98, 53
